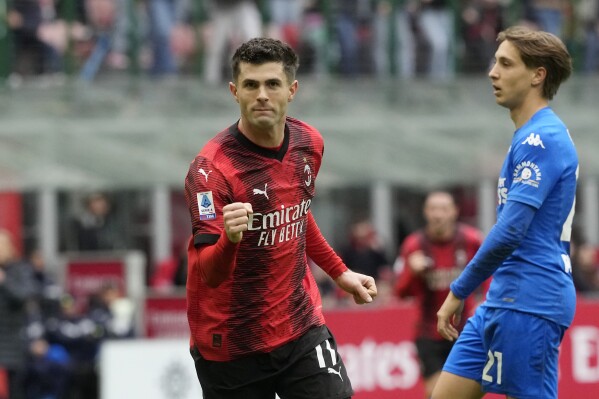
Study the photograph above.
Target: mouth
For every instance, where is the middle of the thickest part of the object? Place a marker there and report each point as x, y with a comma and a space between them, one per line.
496, 89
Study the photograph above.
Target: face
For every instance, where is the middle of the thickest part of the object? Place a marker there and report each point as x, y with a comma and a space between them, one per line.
440, 213
263, 94
512, 81
6, 248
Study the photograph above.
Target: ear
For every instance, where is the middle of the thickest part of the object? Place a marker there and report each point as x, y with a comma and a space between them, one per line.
292, 90
538, 77
233, 90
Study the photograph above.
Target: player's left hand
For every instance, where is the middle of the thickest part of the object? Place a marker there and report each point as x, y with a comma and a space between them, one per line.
360, 286
449, 316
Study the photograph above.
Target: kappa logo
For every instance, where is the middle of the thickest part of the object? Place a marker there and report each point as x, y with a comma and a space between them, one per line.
534, 140
333, 371
204, 173
262, 192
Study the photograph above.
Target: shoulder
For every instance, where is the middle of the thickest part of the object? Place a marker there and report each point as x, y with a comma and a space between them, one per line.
305, 128
546, 129
412, 242
213, 149
471, 234
217, 144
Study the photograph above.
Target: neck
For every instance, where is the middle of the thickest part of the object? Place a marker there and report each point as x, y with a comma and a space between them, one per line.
441, 234
520, 115
269, 137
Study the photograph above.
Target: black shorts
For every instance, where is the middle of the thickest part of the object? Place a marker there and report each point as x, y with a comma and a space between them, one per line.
306, 368
432, 354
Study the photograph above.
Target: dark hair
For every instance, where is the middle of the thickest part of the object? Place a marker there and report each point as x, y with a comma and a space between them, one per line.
541, 49
261, 50
441, 191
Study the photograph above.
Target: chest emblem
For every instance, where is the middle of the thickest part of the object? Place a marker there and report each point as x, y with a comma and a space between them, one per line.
307, 175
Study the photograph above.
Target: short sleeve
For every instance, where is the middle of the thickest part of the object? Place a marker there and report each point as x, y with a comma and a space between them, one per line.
537, 166
206, 193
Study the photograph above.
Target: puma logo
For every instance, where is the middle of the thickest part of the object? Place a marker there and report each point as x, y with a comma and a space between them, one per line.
333, 371
263, 192
203, 173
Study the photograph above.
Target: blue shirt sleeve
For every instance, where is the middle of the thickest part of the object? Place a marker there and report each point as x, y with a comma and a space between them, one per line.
503, 239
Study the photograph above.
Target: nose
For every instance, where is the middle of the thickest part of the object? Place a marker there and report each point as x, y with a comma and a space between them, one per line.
492, 72
262, 95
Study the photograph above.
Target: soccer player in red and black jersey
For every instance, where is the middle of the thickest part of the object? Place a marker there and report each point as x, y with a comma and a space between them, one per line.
432, 258
254, 310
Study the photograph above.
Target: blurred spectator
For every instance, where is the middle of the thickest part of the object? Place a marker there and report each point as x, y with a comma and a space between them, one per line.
365, 253
585, 268
113, 312
171, 37
404, 37
47, 292
231, 22
482, 20
81, 338
81, 334
171, 273
429, 260
424, 32
285, 20
109, 23
39, 37
47, 372
16, 288
352, 23
588, 15
546, 15
95, 229
313, 49
435, 19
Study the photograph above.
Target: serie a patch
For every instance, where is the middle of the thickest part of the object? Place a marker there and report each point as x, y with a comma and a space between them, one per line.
206, 205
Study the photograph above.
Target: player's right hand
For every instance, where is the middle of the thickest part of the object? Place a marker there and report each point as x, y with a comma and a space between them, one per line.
236, 217
449, 316
418, 262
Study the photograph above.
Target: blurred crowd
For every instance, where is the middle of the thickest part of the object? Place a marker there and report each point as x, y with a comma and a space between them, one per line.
166, 38
49, 340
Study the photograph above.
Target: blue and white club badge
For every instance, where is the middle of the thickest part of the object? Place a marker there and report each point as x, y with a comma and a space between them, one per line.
206, 206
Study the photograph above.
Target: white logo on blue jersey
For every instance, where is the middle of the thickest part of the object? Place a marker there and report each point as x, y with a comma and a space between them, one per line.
501, 191
534, 140
527, 172
567, 263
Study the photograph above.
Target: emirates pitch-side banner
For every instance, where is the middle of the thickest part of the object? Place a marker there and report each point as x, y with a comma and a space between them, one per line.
376, 344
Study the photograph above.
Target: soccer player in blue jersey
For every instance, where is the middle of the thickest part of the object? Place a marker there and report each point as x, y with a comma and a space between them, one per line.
510, 345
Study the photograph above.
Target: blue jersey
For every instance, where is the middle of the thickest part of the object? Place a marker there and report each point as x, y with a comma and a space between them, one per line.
540, 170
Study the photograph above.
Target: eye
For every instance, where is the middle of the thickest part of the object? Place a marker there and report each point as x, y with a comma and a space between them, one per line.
250, 84
273, 83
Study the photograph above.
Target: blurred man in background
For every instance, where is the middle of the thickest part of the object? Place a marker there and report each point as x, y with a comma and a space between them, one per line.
16, 289
430, 259
96, 227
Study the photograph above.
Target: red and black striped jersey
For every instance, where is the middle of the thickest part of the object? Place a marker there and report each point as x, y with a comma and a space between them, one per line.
271, 297
430, 288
